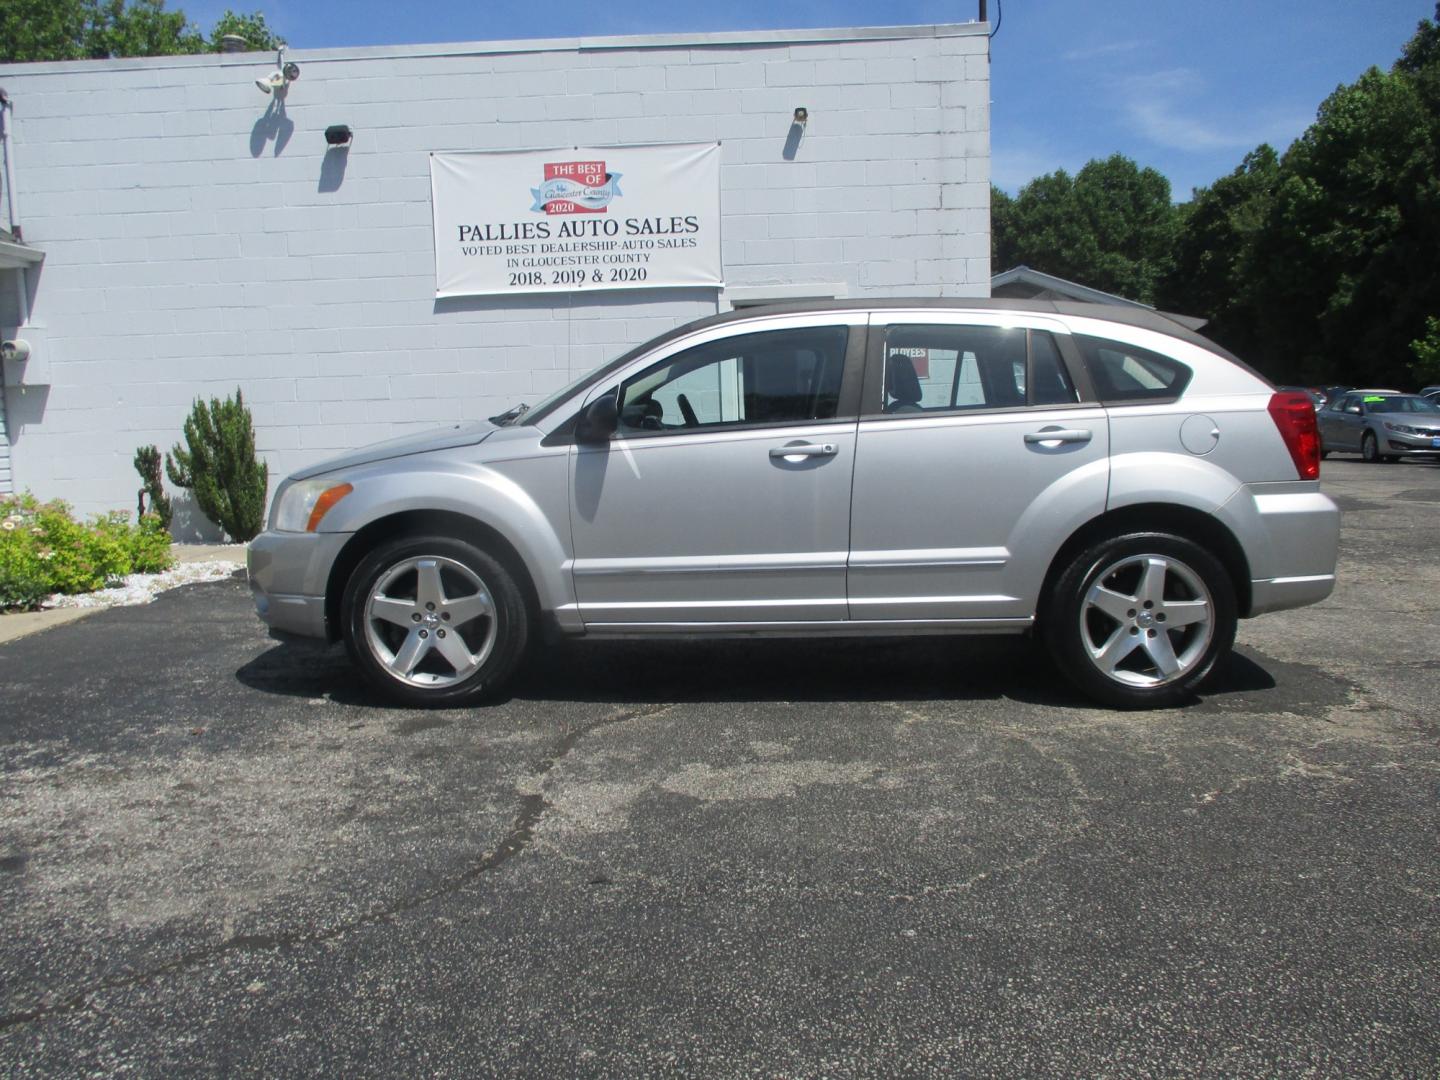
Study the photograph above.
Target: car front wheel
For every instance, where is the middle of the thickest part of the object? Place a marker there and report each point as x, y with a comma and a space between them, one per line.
1369, 447
1139, 621
434, 621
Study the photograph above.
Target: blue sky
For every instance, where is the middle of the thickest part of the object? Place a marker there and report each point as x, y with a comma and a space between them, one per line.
1187, 87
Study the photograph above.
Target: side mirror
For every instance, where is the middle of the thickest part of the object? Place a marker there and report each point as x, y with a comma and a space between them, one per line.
1358, 410
599, 420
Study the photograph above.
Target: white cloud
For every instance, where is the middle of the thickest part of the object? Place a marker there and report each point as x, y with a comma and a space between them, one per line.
1110, 48
1171, 109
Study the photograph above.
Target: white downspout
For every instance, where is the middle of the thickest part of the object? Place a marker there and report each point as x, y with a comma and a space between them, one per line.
22, 294
6, 109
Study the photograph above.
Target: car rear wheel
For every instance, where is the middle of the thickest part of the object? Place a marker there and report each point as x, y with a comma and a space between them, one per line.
434, 621
1139, 621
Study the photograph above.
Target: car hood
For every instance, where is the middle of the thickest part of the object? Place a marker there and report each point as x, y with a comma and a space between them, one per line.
422, 442
1410, 419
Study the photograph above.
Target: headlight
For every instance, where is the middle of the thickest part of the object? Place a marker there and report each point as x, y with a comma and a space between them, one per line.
1404, 429
303, 504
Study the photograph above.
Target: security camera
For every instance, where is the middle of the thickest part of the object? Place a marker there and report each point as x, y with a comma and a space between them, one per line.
274, 81
17, 350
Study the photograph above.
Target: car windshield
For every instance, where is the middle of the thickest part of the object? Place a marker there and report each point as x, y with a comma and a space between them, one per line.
1376, 403
547, 405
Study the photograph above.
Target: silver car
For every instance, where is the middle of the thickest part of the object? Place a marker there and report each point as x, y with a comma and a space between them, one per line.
1102, 476
1380, 425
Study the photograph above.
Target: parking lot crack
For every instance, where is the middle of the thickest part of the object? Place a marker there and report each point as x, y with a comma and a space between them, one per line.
531, 808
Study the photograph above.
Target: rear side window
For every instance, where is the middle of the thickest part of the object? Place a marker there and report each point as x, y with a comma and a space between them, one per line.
1123, 372
942, 368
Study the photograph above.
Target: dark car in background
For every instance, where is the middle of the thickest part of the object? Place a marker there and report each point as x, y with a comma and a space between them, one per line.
1314, 393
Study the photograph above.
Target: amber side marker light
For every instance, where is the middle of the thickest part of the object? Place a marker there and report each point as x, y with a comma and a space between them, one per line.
328, 498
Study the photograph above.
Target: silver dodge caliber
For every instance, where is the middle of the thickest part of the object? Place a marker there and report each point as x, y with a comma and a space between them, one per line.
1101, 475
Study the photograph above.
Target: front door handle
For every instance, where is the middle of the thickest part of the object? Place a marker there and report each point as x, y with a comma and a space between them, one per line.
1055, 436
804, 450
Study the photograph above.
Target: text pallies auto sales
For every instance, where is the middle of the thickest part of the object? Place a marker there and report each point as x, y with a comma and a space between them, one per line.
579, 228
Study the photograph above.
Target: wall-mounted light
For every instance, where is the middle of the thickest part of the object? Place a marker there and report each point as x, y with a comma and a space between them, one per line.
278, 81
802, 115
338, 135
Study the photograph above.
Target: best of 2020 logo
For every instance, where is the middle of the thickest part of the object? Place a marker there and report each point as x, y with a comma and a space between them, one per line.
575, 187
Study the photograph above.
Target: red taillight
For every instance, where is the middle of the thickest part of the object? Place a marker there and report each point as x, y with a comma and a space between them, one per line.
1294, 416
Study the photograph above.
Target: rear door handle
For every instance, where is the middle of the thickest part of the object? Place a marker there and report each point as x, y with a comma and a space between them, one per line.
804, 450
1058, 435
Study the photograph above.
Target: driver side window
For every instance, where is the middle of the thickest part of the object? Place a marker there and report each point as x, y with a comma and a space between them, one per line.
773, 377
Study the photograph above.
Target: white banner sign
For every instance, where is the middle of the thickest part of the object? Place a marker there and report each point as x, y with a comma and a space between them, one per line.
637, 217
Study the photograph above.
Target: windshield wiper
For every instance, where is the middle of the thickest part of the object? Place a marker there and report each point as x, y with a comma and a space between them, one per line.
510, 416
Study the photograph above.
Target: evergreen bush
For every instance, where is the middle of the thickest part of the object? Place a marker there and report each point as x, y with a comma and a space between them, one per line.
219, 465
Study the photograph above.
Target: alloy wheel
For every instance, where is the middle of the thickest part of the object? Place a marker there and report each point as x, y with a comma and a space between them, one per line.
1147, 620
430, 621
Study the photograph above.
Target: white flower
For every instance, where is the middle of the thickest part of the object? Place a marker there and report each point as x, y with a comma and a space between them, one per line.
8, 524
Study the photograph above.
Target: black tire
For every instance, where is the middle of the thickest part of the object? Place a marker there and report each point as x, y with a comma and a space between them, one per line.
434, 621
1191, 581
1369, 447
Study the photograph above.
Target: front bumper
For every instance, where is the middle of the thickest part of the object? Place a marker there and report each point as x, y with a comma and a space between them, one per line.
1397, 442
289, 574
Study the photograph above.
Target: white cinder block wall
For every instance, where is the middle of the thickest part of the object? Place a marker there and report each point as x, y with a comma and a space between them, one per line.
194, 243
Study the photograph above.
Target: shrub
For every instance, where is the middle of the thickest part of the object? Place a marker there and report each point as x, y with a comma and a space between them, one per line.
23, 582
150, 546
220, 466
147, 464
44, 550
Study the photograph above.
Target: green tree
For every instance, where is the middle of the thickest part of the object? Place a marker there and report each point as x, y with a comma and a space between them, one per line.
1344, 274
1212, 274
1002, 229
139, 28
43, 30
1426, 367
253, 28
37, 30
1111, 226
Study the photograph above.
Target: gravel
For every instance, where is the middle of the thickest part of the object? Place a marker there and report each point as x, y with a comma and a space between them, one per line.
143, 588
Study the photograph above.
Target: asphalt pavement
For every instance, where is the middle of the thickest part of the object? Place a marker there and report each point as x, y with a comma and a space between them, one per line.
221, 856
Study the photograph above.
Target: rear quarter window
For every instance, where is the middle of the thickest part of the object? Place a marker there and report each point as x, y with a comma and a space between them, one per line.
1123, 372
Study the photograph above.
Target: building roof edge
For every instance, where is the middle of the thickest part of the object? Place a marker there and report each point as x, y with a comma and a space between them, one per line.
707, 39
